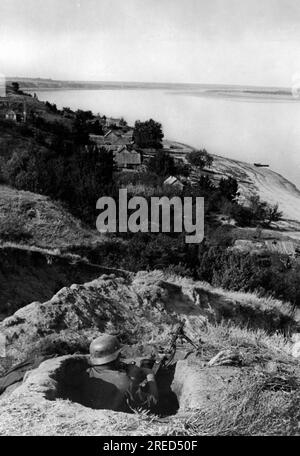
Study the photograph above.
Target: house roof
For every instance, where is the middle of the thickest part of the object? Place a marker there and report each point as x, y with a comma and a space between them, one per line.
171, 180
113, 120
97, 139
124, 156
108, 133
118, 137
128, 134
112, 147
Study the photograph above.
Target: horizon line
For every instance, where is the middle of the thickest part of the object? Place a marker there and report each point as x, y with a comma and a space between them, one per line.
82, 81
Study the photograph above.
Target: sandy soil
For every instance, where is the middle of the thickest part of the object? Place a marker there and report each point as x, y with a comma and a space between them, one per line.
270, 186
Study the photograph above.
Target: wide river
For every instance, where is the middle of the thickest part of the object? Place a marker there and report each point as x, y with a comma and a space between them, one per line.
252, 130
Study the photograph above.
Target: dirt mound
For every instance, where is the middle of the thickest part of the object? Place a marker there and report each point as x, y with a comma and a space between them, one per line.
62, 380
141, 308
212, 401
46, 222
55, 417
28, 274
198, 386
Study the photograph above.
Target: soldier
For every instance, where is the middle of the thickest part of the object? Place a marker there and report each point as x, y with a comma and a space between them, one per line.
112, 384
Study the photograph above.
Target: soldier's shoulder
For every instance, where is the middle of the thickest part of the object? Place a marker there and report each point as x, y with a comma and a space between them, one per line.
104, 372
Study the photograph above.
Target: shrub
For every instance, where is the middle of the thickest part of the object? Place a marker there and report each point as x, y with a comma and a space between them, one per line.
162, 164
199, 158
229, 188
256, 213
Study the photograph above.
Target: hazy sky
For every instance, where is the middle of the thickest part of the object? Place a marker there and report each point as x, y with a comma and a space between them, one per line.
207, 41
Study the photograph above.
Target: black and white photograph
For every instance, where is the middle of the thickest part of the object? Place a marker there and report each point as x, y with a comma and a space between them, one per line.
149, 221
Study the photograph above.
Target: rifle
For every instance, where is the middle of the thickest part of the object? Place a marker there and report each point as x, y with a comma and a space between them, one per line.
138, 394
166, 360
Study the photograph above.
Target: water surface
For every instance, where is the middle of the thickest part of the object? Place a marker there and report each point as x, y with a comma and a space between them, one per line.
252, 129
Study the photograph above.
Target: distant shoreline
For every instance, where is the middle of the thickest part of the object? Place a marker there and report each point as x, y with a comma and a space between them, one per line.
232, 93
32, 84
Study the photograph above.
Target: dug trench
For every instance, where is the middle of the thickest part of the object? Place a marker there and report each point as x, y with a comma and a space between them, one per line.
72, 383
143, 310
59, 385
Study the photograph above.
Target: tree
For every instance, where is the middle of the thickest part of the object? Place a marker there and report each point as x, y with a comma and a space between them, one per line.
52, 107
229, 188
122, 122
272, 214
15, 86
200, 158
84, 116
78, 178
80, 132
162, 164
257, 213
182, 169
89, 176
148, 134
96, 128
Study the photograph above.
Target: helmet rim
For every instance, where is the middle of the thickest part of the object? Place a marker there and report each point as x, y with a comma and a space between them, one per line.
99, 361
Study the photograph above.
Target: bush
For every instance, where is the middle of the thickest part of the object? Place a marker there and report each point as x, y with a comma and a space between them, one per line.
140, 178
160, 251
237, 271
256, 213
200, 158
78, 178
229, 188
26, 131
162, 164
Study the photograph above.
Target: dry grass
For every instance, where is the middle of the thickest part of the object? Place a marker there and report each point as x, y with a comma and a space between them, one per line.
266, 404
60, 418
266, 401
255, 409
249, 299
47, 223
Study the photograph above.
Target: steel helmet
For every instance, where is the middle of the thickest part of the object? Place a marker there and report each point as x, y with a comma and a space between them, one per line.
104, 349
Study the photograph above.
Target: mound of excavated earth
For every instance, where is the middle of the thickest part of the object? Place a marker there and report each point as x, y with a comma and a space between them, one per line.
142, 309
40, 397
47, 223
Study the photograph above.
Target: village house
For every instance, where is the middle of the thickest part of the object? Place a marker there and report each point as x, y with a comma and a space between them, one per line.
128, 135
110, 138
113, 137
11, 115
16, 114
124, 158
127, 159
173, 182
97, 139
110, 122
116, 137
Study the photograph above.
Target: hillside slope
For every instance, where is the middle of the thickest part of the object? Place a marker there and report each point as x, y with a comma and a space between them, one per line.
29, 274
259, 395
270, 186
46, 222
